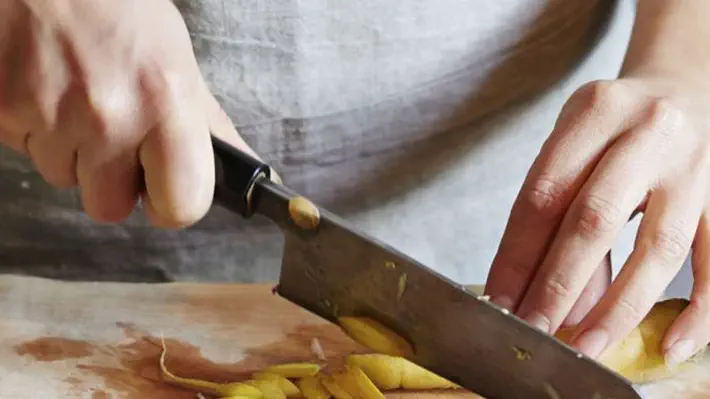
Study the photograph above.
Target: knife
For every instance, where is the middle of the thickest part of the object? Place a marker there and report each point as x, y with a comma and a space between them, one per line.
331, 269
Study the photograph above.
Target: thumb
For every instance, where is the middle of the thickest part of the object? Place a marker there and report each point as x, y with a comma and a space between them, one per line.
221, 126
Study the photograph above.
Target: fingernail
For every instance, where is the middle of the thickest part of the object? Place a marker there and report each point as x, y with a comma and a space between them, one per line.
592, 342
680, 352
536, 320
503, 301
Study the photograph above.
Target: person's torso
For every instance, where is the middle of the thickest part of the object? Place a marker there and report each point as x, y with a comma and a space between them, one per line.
346, 100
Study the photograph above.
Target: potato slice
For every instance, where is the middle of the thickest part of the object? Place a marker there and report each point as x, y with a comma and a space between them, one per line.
375, 336
312, 388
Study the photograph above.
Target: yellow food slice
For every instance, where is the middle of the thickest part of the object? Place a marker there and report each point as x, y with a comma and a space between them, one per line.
357, 384
289, 388
375, 336
312, 388
269, 389
230, 389
385, 371
639, 356
332, 384
416, 377
294, 370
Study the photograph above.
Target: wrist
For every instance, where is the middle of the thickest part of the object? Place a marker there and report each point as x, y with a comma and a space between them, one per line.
670, 38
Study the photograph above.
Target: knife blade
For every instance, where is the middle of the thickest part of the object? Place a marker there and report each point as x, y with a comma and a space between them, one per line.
332, 269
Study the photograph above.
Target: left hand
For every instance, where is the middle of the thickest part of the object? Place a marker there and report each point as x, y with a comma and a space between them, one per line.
637, 144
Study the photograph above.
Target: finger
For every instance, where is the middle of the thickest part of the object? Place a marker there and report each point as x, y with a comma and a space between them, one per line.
178, 166
593, 292
222, 126
602, 207
664, 240
691, 330
109, 180
14, 141
54, 157
593, 118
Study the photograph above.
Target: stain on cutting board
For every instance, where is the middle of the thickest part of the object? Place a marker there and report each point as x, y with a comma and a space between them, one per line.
130, 370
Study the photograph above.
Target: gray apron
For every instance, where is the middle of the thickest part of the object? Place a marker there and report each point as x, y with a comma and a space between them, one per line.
415, 119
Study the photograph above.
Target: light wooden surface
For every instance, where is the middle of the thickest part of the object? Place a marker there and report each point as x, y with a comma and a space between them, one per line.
100, 340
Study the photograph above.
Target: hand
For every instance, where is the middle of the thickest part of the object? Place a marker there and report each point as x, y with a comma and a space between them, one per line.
107, 95
637, 144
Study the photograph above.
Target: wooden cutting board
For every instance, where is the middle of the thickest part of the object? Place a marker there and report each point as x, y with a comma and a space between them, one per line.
101, 340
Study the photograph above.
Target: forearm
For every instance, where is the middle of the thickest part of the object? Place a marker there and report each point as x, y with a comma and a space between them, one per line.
670, 37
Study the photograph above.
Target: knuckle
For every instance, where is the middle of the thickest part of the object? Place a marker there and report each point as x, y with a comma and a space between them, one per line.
628, 312
669, 245
597, 216
665, 117
600, 94
545, 197
557, 287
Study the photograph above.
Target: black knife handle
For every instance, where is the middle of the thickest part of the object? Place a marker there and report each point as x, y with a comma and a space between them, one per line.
236, 174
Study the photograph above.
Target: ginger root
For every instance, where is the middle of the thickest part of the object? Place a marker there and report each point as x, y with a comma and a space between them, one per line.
639, 357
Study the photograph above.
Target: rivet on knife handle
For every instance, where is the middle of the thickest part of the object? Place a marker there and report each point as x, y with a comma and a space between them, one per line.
236, 173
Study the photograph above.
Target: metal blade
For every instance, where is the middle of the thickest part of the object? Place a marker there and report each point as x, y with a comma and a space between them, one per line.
336, 270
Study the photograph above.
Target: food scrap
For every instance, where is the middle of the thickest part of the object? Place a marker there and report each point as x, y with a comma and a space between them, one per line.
317, 349
522, 354
402, 286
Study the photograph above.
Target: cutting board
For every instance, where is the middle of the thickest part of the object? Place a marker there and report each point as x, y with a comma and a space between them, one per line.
101, 340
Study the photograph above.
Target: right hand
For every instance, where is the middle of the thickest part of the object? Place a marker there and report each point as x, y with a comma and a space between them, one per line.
107, 95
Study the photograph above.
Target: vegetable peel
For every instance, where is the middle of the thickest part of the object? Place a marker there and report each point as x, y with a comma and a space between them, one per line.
228, 390
294, 370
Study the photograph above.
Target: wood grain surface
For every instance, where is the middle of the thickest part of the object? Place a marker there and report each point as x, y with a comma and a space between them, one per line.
101, 340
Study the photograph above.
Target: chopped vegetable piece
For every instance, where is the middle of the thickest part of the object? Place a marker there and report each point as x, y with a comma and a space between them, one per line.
333, 384
230, 389
375, 336
312, 388
390, 372
270, 389
357, 384
294, 370
415, 376
289, 388
385, 371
